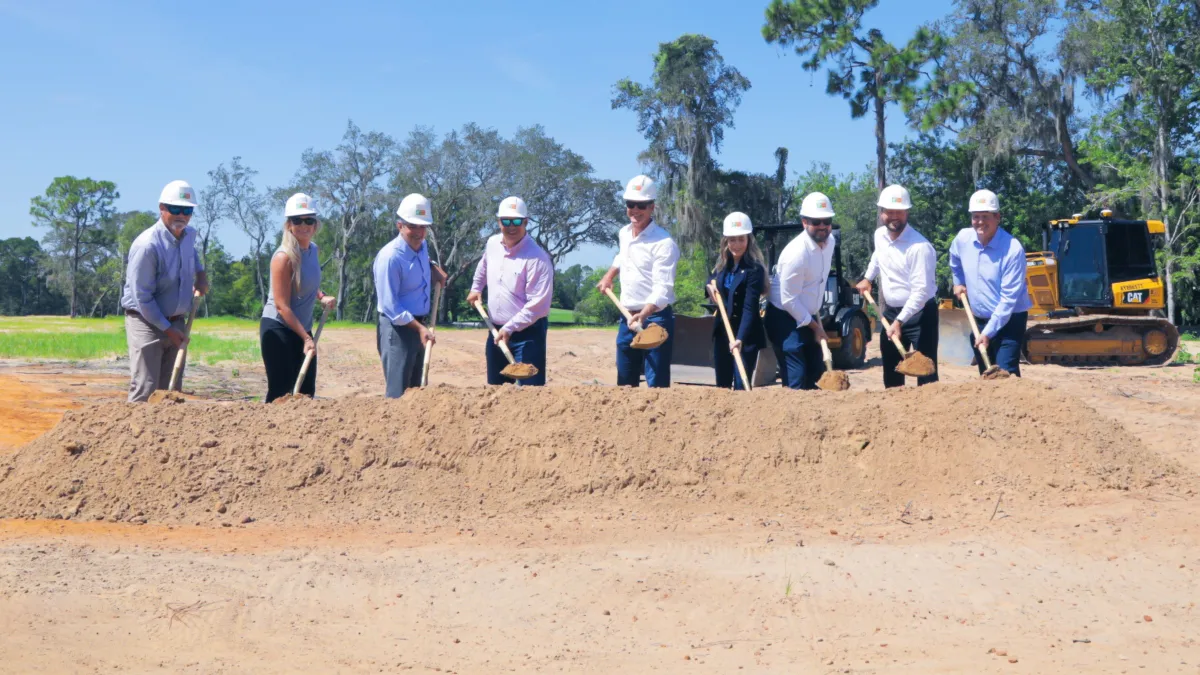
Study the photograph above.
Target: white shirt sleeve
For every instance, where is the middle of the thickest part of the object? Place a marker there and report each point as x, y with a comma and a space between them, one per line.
791, 283
922, 273
662, 276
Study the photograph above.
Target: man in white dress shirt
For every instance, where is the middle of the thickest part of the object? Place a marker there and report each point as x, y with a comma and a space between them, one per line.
646, 263
797, 290
906, 264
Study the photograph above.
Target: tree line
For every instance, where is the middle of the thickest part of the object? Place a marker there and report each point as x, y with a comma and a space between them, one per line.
1059, 106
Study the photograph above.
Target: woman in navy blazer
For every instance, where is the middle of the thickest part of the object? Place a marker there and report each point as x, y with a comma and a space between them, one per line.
741, 278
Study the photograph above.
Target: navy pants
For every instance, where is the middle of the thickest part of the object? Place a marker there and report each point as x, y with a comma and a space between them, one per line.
1005, 348
655, 363
727, 372
797, 350
921, 332
527, 346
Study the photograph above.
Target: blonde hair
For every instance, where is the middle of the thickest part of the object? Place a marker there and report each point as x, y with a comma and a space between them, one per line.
290, 246
753, 253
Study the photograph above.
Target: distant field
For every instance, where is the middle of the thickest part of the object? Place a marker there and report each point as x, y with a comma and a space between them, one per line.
561, 315
214, 340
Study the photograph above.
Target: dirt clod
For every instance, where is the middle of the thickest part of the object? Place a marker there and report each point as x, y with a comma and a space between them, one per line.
995, 373
915, 364
834, 380
164, 396
652, 336
519, 371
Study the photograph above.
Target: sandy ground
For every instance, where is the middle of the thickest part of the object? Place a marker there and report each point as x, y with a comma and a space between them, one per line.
1102, 582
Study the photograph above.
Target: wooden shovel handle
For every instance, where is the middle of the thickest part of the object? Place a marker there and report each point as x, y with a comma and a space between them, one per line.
437, 297
495, 333
737, 355
624, 312
181, 355
826, 354
987, 363
887, 326
308, 358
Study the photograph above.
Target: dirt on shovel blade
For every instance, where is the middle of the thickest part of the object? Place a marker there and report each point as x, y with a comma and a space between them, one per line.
652, 336
165, 396
519, 371
995, 373
915, 364
834, 380
288, 398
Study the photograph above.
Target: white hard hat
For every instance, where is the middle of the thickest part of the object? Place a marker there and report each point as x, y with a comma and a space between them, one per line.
894, 197
178, 193
299, 204
984, 200
512, 207
736, 224
415, 209
816, 205
640, 189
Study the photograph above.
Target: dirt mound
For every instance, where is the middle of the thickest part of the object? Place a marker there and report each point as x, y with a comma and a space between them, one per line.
446, 453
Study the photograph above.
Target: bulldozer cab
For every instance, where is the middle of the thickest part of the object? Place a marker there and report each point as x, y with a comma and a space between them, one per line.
1098, 260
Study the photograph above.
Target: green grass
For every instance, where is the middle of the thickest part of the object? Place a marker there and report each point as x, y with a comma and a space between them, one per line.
561, 315
87, 339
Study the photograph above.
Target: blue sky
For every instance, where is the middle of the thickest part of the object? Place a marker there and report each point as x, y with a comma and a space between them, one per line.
142, 92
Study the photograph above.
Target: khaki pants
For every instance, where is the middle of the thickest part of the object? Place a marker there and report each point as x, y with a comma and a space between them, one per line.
151, 357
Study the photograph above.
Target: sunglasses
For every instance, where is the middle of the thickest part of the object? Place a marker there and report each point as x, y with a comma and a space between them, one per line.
820, 222
180, 210
512, 222
302, 220
638, 206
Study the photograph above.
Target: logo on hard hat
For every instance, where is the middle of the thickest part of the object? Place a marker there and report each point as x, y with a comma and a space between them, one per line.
822, 204
981, 200
184, 194
302, 205
897, 200
739, 224
420, 212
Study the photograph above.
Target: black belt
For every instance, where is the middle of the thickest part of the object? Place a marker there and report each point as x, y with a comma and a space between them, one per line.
134, 312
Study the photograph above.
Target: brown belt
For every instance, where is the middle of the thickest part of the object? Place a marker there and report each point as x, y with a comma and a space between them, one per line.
134, 312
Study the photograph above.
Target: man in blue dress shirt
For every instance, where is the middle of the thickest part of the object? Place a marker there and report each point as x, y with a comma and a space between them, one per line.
163, 271
988, 264
403, 284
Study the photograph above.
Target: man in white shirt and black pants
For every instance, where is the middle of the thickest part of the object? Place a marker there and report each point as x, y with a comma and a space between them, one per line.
907, 265
646, 262
797, 291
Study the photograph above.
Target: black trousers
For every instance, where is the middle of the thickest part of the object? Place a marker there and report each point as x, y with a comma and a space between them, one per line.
726, 367
921, 332
283, 355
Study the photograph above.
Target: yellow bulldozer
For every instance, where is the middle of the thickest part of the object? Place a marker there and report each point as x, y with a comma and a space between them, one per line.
1097, 296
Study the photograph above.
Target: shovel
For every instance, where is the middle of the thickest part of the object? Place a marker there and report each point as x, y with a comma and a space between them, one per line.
517, 371
990, 371
308, 358
172, 394
737, 356
648, 337
831, 380
914, 364
437, 296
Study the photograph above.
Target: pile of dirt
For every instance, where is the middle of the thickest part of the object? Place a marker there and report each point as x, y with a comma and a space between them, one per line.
834, 380
915, 364
650, 337
445, 453
519, 371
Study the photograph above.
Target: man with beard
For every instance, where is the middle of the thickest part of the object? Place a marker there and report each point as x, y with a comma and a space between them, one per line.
164, 268
988, 264
797, 290
907, 264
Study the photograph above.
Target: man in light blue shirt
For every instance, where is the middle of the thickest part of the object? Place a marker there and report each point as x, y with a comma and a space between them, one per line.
163, 270
404, 280
988, 265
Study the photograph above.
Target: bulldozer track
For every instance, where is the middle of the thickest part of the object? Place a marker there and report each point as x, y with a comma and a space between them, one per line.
1076, 324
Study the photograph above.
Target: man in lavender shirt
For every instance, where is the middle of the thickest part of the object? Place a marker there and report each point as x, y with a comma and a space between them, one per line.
163, 270
520, 279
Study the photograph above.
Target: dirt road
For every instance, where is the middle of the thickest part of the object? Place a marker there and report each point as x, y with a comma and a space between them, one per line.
1087, 580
